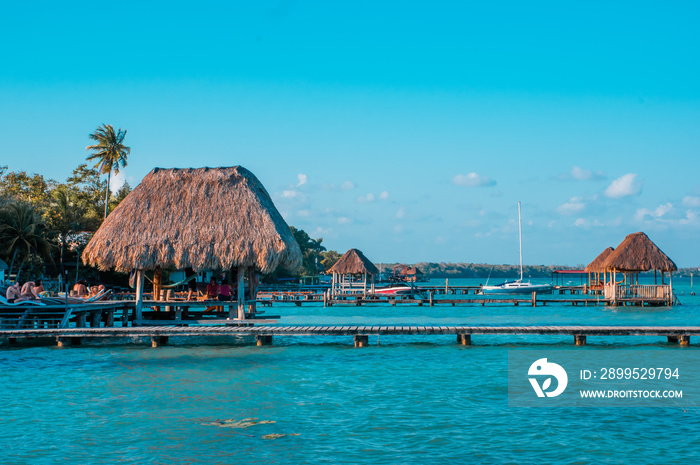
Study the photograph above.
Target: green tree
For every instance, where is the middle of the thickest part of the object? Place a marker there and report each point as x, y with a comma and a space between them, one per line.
310, 250
329, 258
23, 234
86, 187
30, 188
110, 153
120, 195
65, 216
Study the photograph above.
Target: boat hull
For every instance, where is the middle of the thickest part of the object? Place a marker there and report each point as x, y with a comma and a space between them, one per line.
517, 288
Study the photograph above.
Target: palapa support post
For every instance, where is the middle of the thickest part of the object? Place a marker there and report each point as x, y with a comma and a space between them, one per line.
157, 284
139, 296
263, 340
252, 290
580, 339
684, 341
464, 339
361, 340
241, 292
157, 341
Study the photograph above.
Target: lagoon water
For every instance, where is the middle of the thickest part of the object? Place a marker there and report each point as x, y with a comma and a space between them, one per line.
401, 400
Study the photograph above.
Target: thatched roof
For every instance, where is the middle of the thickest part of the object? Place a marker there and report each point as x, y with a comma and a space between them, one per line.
638, 253
354, 262
204, 218
595, 265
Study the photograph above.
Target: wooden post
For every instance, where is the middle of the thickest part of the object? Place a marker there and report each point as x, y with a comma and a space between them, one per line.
241, 293
252, 289
157, 341
61, 342
157, 284
464, 339
579, 339
361, 340
431, 298
263, 339
534, 299
684, 341
139, 296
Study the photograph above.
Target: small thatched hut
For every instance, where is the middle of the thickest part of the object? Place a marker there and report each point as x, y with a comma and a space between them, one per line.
352, 263
637, 253
203, 218
596, 267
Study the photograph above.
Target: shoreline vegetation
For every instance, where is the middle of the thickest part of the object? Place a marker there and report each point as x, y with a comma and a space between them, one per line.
444, 270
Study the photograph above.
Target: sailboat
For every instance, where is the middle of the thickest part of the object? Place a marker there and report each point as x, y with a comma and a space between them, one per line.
517, 287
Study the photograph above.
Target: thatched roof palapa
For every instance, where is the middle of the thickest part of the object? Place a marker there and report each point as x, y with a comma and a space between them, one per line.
596, 265
354, 262
638, 253
200, 218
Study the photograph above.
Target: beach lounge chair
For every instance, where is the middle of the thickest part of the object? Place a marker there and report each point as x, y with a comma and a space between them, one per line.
3, 301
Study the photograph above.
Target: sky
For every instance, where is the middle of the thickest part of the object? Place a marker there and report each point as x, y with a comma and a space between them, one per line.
408, 130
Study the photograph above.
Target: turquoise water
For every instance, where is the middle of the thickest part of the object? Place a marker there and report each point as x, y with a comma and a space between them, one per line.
401, 400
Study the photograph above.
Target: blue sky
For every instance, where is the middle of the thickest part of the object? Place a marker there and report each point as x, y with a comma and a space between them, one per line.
407, 130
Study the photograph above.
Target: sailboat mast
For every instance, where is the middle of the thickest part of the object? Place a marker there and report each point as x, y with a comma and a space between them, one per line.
520, 235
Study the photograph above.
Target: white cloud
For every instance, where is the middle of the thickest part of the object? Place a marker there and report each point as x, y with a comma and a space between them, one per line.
581, 174
573, 206
366, 198
383, 195
347, 186
303, 179
582, 223
344, 220
117, 180
289, 194
303, 213
690, 201
658, 213
624, 186
400, 213
472, 180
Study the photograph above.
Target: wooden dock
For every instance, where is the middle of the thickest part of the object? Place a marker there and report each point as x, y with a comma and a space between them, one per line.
263, 334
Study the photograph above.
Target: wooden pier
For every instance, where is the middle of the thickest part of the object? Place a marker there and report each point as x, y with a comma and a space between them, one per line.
263, 334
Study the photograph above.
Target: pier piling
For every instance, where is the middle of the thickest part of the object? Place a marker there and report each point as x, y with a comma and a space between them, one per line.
263, 340
464, 339
361, 340
579, 339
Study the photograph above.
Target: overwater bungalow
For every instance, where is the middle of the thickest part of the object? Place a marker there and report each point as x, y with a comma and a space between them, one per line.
595, 270
218, 219
346, 271
637, 253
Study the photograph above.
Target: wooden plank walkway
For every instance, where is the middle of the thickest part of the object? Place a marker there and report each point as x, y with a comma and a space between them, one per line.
264, 333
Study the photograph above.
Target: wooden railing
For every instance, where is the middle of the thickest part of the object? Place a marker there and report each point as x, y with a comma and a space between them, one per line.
639, 291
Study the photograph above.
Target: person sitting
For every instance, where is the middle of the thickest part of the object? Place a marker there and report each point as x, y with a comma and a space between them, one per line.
79, 289
38, 289
212, 290
224, 291
27, 291
192, 292
14, 292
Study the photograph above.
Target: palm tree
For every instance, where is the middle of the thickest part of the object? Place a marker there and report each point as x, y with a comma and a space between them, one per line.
21, 231
109, 153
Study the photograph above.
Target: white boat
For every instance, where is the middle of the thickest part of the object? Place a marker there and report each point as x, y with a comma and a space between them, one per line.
396, 289
517, 287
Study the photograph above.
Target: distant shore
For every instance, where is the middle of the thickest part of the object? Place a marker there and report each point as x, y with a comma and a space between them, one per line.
483, 270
